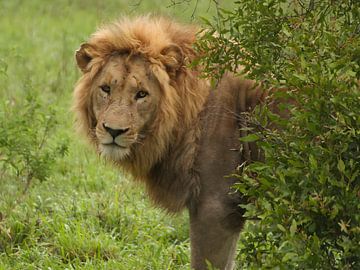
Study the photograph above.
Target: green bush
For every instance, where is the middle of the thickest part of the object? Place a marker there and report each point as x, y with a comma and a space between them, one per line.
26, 149
305, 198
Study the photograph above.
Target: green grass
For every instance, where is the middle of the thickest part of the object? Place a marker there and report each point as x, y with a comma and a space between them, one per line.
85, 215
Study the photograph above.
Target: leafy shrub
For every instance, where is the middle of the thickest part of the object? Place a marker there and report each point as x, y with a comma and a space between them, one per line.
306, 196
26, 151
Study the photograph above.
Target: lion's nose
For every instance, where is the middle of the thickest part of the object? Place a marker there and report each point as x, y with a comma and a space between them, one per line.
115, 132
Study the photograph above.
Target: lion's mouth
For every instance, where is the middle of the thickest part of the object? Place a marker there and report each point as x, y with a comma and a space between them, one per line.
114, 151
114, 144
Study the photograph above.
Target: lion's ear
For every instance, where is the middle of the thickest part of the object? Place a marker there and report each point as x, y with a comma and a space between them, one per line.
84, 55
173, 57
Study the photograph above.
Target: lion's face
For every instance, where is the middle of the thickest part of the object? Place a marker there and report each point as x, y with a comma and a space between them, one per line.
137, 95
125, 100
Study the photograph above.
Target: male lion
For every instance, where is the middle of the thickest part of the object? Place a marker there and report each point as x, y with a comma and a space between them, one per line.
147, 111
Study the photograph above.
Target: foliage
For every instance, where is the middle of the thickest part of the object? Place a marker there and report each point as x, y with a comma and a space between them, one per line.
306, 196
25, 129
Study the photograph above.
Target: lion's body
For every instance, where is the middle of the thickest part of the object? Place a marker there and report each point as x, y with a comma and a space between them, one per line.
153, 116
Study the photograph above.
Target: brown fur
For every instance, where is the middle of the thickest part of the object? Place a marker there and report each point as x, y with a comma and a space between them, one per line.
181, 139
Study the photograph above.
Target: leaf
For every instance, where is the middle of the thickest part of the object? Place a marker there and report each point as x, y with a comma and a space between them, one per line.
281, 227
205, 20
313, 162
341, 166
334, 211
250, 138
293, 227
289, 256
301, 77
344, 226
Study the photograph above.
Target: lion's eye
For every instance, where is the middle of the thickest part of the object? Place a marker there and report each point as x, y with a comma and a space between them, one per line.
141, 94
105, 88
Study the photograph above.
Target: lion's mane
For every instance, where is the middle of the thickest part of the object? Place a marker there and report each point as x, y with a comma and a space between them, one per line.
183, 97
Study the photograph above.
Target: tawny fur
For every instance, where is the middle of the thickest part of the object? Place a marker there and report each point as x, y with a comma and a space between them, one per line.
172, 159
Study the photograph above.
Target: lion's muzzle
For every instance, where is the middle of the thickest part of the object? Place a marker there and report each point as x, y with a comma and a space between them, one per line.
115, 132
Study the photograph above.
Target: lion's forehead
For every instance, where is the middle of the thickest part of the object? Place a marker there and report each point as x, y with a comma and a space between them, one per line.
120, 70
114, 71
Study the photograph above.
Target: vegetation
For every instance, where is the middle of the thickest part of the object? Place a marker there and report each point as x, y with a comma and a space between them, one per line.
60, 206
306, 196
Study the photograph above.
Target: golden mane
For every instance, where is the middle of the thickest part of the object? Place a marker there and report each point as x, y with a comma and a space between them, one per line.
184, 94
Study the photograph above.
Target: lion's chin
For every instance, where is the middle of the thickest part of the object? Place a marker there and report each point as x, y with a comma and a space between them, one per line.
114, 152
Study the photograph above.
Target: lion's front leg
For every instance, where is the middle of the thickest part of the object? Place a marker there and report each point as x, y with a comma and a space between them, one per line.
212, 239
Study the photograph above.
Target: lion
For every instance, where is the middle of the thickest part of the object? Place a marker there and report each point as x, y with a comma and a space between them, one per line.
146, 110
